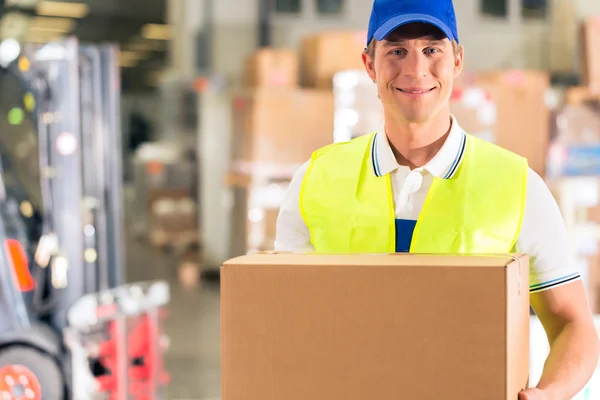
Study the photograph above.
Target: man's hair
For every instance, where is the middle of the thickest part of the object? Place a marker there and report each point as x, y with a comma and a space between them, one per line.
370, 50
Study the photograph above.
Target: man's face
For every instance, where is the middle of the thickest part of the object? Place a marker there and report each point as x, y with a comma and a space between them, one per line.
414, 68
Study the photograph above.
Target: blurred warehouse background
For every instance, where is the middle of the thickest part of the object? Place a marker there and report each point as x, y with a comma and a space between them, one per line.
221, 101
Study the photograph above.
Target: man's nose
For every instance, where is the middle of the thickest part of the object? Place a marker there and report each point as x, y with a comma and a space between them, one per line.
416, 65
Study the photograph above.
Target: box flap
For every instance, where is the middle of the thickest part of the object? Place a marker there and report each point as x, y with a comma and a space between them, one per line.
401, 259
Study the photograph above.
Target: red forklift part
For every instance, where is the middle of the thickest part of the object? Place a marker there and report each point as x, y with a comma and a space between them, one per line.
145, 368
20, 265
18, 382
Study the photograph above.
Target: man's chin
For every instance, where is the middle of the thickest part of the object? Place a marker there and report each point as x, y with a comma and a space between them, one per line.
417, 118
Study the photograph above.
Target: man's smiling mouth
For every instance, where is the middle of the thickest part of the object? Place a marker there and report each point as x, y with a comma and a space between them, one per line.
416, 90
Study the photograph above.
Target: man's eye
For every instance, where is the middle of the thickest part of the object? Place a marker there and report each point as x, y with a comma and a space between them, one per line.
397, 52
431, 50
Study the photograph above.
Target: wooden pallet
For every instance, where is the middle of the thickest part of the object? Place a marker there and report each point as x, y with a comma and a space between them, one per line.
175, 242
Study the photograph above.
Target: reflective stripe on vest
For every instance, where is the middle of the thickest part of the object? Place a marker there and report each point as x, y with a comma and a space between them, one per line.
348, 209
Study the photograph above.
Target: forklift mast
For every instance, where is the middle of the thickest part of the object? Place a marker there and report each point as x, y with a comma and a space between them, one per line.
102, 335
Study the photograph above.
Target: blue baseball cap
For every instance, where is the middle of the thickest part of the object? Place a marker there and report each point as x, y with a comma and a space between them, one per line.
387, 15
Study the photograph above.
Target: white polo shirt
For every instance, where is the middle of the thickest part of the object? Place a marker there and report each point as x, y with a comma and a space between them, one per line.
543, 233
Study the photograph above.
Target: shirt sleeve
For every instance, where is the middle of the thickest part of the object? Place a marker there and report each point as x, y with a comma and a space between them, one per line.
292, 234
545, 239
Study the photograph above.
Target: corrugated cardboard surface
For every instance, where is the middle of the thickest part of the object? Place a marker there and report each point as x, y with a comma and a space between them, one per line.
325, 54
591, 56
272, 68
281, 125
320, 327
523, 116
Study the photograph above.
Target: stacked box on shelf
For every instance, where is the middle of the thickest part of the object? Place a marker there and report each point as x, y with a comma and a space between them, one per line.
277, 68
358, 110
164, 206
590, 44
277, 125
573, 175
475, 111
522, 123
255, 208
281, 126
326, 53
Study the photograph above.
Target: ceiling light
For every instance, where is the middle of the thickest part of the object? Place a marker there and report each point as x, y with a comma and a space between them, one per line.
60, 9
51, 24
9, 51
156, 32
21, 3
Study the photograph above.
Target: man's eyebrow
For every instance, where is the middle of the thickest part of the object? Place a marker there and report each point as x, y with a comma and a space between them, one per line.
435, 42
430, 42
393, 43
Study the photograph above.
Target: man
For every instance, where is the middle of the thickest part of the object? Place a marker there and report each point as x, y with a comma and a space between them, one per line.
421, 184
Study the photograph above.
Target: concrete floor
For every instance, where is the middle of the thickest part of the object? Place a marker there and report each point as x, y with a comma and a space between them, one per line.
193, 360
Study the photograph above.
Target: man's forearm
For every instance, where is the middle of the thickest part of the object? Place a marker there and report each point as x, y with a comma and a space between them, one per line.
571, 363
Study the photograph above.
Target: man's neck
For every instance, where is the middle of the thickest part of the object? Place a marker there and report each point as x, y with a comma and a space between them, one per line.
414, 145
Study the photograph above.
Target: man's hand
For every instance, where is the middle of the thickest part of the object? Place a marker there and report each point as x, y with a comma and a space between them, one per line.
532, 394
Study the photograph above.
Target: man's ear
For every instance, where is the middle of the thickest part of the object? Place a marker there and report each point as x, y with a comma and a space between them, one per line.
369, 65
459, 61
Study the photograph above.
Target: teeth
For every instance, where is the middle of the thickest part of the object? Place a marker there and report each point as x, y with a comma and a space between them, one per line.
416, 91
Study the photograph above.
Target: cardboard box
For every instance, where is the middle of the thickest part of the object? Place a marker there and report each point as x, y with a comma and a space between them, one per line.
327, 53
256, 204
358, 327
523, 118
475, 111
272, 68
575, 142
282, 126
591, 58
358, 109
172, 218
578, 95
578, 198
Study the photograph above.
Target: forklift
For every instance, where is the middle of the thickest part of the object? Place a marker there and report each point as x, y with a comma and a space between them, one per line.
71, 328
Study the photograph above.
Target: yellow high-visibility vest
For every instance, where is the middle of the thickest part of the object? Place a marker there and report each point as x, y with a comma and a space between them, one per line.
348, 209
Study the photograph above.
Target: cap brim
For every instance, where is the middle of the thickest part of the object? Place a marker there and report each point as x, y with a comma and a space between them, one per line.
393, 23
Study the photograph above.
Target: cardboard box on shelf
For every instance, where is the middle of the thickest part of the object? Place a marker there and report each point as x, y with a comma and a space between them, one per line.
358, 109
574, 148
465, 79
327, 53
523, 117
172, 218
272, 68
281, 126
256, 204
374, 326
590, 44
578, 198
475, 111
578, 95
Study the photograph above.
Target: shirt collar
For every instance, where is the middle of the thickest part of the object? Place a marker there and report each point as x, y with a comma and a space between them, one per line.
443, 165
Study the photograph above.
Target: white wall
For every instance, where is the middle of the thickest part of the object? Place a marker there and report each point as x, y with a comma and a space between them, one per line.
588, 7
489, 43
